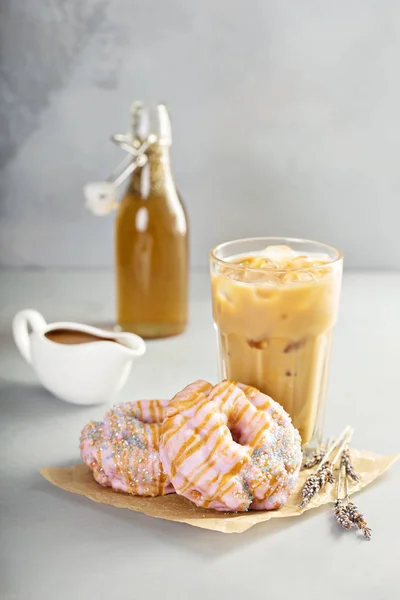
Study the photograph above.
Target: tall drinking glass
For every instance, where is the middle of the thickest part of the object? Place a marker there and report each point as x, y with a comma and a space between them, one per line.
275, 303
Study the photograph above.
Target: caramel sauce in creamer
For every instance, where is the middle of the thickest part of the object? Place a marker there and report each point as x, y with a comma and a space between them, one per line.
74, 336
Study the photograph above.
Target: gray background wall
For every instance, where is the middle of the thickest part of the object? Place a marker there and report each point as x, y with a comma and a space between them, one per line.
285, 117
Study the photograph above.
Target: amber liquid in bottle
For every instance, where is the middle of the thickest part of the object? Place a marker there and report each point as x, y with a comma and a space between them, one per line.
152, 251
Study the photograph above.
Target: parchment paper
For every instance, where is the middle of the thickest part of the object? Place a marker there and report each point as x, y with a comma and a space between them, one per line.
78, 480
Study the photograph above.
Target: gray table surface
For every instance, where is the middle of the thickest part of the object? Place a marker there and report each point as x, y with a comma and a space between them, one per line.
56, 545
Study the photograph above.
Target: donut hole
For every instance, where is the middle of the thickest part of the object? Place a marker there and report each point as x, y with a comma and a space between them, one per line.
240, 435
236, 433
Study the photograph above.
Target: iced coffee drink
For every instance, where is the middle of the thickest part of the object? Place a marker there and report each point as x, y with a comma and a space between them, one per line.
275, 303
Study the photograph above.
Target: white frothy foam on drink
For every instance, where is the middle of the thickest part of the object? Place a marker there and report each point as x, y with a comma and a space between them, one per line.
280, 256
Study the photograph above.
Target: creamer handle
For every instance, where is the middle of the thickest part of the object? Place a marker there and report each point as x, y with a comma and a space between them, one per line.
22, 320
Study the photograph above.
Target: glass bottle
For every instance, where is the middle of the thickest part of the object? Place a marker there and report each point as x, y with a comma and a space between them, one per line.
151, 241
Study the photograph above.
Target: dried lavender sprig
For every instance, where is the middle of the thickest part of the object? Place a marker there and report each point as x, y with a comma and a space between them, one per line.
354, 514
338, 444
358, 519
317, 456
314, 459
341, 514
339, 507
347, 462
315, 482
326, 474
310, 488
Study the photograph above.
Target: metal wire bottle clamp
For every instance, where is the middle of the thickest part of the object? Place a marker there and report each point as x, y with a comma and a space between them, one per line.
101, 196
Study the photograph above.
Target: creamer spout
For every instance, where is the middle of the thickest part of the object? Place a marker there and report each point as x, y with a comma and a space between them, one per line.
132, 342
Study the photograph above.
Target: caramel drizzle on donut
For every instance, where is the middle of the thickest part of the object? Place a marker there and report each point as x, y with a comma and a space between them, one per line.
159, 411
179, 405
238, 416
257, 436
248, 390
226, 483
152, 412
141, 411
207, 501
191, 446
251, 393
234, 422
272, 480
204, 467
154, 437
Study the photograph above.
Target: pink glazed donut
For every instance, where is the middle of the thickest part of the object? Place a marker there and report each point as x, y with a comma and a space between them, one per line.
92, 439
123, 452
284, 444
230, 448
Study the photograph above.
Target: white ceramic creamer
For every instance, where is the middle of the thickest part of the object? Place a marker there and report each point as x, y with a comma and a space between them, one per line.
75, 362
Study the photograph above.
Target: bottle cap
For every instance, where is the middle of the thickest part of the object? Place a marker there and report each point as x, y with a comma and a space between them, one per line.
163, 125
